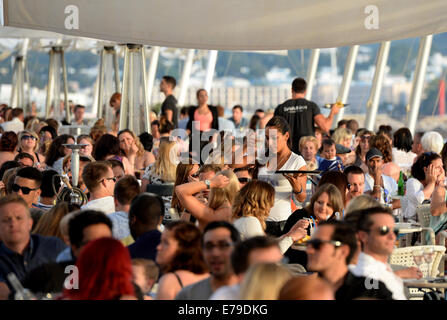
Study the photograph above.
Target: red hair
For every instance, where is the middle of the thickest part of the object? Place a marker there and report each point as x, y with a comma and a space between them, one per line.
105, 272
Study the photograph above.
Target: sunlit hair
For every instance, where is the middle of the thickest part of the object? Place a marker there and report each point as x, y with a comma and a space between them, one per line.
382, 143
306, 139
432, 141
25, 133
189, 254
221, 196
341, 134
181, 176
32, 124
49, 223
334, 195
166, 163
105, 271
140, 151
255, 199
361, 202
263, 281
360, 133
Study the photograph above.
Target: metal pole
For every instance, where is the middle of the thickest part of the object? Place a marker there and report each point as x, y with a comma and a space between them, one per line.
13, 99
418, 81
50, 84
374, 98
211, 67
146, 95
21, 84
155, 53
311, 72
64, 74
100, 113
184, 82
125, 100
346, 82
117, 71
131, 91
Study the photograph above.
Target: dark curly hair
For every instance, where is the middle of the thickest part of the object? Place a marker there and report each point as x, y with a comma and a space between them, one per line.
424, 160
189, 254
8, 141
57, 150
106, 145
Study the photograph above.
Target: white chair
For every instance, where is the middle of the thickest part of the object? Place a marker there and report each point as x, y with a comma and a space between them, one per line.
423, 213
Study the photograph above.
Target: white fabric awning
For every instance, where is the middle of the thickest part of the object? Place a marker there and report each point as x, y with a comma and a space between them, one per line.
232, 24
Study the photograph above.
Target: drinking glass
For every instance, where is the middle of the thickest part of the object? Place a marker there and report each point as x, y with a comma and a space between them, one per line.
418, 257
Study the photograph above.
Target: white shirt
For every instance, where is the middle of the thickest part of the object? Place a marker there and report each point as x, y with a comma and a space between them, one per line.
249, 227
120, 223
105, 204
371, 268
227, 293
283, 190
388, 183
225, 124
14, 125
403, 159
414, 195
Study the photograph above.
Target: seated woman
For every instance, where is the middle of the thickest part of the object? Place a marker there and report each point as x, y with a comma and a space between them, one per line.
147, 140
402, 155
324, 205
252, 207
362, 148
389, 168
133, 149
57, 152
108, 147
29, 143
162, 172
180, 258
426, 174
185, 172
223, 189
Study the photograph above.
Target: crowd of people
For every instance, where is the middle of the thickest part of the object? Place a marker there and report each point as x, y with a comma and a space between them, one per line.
278, 206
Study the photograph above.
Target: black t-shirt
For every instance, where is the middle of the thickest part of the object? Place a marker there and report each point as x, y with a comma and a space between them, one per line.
355, 287
170, 103
300, 114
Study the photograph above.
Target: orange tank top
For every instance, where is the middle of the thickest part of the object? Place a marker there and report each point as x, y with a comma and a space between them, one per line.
205, 120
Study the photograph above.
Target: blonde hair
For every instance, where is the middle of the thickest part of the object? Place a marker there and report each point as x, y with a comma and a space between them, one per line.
341, 134
220, 196
361, 202
48, 224
163, 166
255, 199
263, 281
311, 165
28, 132
305, 139
140, 151
32, 123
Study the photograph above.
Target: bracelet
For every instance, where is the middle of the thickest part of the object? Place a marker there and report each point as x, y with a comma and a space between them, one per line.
376, 185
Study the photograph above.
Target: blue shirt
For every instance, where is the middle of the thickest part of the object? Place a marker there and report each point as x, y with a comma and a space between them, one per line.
146, 245
242, 124
40, 250
330, 165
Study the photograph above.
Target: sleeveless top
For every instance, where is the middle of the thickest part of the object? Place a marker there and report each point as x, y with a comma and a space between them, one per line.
205, 120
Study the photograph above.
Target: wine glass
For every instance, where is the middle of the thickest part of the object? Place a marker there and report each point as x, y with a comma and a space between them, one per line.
418, 257
428, 257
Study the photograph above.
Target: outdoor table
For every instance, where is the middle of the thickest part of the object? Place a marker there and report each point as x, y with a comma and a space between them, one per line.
406, 228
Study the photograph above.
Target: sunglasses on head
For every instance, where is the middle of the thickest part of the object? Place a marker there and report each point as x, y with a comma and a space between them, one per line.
25, 190
317, 243
244, 180
384, 230
28, 137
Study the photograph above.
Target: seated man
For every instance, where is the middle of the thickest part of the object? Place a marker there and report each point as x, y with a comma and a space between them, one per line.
145, 216
356, 181
376, 233
100, 181
20, 251
24, 159
329, 253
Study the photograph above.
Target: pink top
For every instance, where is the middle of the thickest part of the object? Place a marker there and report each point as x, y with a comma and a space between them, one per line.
205, 120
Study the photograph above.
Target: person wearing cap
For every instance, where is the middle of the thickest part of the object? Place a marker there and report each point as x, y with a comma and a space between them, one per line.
378, 185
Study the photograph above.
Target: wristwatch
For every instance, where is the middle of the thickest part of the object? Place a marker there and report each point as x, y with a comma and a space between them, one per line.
208, 184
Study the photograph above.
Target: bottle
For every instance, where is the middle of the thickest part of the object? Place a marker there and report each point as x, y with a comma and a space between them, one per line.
401, 185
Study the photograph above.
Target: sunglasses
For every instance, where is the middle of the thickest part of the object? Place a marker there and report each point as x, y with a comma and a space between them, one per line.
317, 243
364, 138
384, 230
28, 137
25, 190
244, 180
195, 175
113, 178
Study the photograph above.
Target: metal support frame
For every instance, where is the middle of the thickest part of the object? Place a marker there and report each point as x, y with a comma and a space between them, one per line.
56, 65
152, 72
346, 82
418, 81
374, 98
311, 72
184, 81
134, 93
210, 68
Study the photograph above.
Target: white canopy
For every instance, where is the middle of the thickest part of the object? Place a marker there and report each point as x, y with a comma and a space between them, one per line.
232, 24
